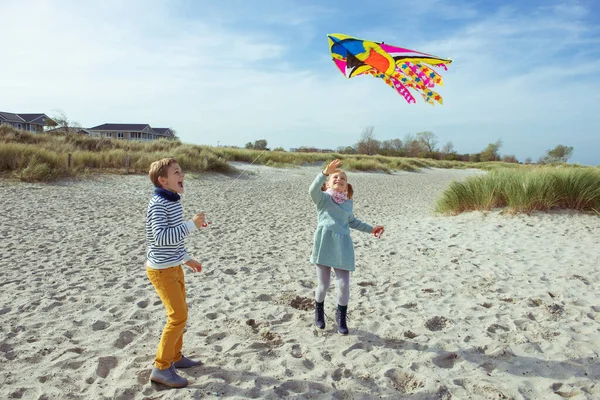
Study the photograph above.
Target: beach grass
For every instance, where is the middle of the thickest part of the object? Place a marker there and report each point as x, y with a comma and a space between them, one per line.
525, 190
43, 157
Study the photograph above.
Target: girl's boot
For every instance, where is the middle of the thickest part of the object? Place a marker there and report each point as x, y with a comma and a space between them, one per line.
340, 318
320, 314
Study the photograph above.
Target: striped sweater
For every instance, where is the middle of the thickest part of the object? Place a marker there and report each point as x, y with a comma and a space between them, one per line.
165, 232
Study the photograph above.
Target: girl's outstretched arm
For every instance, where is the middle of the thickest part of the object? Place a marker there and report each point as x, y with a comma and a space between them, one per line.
315, 189
315, 192
357, 224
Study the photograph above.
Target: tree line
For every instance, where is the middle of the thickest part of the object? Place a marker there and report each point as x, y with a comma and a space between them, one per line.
426, 145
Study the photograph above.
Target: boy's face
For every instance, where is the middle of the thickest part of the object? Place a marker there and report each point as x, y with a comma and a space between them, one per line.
337, 182
174, 180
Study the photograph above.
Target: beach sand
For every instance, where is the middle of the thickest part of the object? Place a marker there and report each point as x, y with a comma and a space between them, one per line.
474, 306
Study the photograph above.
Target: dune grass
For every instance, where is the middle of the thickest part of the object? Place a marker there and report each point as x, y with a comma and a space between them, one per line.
35, 157
525, 190
43, 157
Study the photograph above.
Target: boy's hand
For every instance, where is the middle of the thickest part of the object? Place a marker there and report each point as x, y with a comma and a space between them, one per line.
378, 231
332, 167
194, 265
199, 219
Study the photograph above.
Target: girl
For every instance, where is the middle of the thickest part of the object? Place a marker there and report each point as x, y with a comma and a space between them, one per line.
333, 247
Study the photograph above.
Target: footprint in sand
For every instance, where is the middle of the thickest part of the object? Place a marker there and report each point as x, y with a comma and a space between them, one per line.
105, 365
212, 316
356, 346
297, 351
365, 284
337, 374
410, 334
302, 303
142, 304
308, 364
436, 323
216, 337
99, 325
494, 328
51, 306
124, 339
403, 382
446, 360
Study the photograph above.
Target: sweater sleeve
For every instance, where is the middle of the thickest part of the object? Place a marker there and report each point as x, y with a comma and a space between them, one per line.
357, 224
315, 191
163, 235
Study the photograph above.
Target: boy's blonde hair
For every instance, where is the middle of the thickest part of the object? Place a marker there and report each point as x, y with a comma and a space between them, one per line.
159, 169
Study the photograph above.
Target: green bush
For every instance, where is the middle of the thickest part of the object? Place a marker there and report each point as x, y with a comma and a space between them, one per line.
525, 190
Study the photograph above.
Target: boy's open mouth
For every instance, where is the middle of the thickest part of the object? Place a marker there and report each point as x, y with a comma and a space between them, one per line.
180, 184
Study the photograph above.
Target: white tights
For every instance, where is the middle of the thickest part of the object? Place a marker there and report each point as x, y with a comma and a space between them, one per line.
342, 282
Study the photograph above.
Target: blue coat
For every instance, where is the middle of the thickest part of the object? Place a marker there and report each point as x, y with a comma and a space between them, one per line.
332, 242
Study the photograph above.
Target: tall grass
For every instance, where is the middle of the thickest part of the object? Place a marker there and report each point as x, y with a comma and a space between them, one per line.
29, 156
42, 157
525, 191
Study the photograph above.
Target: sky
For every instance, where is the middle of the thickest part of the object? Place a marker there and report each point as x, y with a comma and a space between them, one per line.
231, 72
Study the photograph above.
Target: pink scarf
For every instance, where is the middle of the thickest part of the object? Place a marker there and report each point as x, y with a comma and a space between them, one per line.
338, 197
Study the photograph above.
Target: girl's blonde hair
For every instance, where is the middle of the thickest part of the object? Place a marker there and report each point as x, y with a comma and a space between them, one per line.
160, 168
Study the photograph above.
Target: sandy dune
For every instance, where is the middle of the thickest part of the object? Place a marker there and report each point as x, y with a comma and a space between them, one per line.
477, 306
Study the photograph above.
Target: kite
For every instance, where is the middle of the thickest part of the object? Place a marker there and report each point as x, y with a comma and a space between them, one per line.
402, 69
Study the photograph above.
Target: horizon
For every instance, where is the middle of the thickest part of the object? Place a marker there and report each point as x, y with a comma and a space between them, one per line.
235, 72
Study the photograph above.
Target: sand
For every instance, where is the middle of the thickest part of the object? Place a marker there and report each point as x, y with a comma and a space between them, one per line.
475, 306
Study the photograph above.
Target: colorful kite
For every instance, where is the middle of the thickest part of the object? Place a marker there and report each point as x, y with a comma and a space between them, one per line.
400, 68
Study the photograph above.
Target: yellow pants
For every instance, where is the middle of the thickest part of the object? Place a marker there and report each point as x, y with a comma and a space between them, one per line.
170, 286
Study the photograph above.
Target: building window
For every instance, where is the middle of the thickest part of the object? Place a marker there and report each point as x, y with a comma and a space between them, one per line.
120, 135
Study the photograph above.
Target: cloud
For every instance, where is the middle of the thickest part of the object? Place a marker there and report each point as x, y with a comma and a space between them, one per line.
235, 72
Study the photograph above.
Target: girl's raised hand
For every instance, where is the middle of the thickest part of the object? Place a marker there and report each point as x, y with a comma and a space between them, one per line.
332, 167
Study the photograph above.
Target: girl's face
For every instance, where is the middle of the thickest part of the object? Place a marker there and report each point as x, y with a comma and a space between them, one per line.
337, 182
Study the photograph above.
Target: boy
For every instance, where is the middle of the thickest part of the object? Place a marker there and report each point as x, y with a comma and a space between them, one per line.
165, 233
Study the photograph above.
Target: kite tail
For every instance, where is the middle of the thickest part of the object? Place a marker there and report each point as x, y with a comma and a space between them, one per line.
432, 75
396, 85
411, 74
430, 97
402, 90
415, 68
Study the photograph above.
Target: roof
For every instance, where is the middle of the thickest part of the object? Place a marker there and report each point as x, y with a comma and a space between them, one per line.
132, 128
21, 118
119, 127
168, 132
32, 117
10, 117
64, 129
